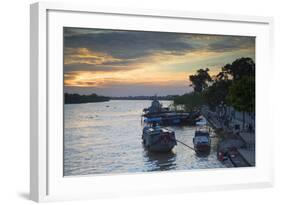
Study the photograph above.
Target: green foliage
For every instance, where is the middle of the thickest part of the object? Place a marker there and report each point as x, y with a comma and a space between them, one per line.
200, 80
242, 94
217, 93
239, 68
191, 101
234, 84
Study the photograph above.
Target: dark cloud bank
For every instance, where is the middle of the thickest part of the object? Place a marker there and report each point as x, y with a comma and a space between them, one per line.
134, 46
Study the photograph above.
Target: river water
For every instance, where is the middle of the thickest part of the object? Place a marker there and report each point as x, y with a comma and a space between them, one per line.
105, 138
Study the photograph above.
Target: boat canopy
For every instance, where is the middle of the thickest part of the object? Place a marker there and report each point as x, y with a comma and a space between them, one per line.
152, 119
201, 140
202, 122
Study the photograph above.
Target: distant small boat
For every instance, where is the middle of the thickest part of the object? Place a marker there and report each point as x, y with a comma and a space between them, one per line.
156, 138
202, 140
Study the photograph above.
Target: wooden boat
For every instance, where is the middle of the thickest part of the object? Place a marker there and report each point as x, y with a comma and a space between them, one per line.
156, 138
202, 140
168, 117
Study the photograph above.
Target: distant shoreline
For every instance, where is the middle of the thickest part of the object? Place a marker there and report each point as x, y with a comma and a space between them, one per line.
110, 100
78, 99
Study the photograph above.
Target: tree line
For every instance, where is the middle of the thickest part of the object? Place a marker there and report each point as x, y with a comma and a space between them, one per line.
76, 98
234, 85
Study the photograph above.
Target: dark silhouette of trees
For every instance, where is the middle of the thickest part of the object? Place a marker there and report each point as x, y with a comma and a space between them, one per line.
242, 95
222, 82
234, 85
191, 101
200, 80
76, 98
239, 68
217, 93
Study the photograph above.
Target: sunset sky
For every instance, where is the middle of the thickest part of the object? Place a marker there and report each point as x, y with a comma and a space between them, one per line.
133, 63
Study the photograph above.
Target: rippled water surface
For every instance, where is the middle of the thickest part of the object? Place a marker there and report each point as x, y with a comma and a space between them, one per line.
104, 138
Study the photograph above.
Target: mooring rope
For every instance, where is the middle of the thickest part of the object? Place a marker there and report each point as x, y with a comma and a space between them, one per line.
185, 145
157, 141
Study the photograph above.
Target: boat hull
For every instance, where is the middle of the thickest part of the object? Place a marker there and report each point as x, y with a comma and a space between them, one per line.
161, 142
160, 148
202, 149
202, 142
174, 118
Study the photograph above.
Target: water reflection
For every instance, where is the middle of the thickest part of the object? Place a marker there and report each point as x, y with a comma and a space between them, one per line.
160, 161
105, 138
203, 154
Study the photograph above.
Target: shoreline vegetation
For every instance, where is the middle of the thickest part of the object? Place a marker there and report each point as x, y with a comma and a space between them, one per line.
233, 86
77, 99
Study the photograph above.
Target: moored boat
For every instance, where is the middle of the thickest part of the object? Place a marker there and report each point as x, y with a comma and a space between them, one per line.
168, 117
156, 138
202, 140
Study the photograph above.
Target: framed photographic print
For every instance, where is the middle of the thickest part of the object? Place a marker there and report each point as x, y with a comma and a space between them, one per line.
123, 98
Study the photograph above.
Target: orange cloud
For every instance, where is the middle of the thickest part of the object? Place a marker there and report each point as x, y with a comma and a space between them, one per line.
86, 56
160, 68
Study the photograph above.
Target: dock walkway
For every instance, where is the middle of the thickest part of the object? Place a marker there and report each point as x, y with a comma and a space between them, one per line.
248, 153
248, 138
243, 141
211, 117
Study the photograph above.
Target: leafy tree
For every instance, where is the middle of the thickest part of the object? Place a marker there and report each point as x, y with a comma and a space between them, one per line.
234, 84
239, 68
217, 92
191, 101
222, 76
242, 95
200, 80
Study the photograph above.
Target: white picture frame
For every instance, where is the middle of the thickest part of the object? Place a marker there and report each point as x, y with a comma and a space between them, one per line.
46, 179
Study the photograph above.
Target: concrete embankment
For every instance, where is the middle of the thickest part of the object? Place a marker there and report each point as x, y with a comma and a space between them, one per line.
248, 153
212, 119
237, 148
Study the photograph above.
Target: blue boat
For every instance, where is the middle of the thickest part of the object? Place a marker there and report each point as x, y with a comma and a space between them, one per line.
168, 117
202, 140
156, 138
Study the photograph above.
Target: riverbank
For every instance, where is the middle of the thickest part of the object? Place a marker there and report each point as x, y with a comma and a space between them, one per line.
235, 147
